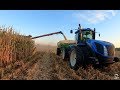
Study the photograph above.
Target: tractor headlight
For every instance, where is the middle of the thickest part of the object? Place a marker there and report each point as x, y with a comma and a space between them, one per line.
105, 51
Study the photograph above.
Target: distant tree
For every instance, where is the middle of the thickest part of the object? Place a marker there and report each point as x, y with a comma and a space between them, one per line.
118, 49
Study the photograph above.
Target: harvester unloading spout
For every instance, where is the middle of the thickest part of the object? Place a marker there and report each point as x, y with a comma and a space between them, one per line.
60, 32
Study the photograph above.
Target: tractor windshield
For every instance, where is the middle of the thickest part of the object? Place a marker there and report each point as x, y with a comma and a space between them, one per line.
87, 34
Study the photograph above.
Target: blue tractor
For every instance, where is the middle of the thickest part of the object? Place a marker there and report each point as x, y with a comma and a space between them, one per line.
87, 51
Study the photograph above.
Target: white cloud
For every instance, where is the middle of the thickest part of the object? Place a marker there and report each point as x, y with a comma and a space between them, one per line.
94, 16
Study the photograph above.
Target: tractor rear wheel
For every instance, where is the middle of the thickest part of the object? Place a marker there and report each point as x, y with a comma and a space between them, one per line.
76, 58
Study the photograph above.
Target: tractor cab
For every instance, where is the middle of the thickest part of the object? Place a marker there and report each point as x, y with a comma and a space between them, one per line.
81, 35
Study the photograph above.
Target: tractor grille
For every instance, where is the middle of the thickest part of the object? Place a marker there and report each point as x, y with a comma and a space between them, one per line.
100, 48
111, 50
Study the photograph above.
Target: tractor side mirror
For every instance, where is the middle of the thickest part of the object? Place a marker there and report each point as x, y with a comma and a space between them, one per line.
71, 31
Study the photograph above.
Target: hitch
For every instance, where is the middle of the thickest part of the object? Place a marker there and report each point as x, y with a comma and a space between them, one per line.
116, 59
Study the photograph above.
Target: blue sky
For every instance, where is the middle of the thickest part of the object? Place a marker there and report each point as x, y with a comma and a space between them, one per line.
38, 22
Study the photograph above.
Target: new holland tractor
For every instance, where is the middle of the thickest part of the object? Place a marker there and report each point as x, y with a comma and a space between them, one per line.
85, 50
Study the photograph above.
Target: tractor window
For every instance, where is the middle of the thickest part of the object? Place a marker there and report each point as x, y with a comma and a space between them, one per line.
87, 35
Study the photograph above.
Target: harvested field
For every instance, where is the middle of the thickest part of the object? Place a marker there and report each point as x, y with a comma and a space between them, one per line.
48, 66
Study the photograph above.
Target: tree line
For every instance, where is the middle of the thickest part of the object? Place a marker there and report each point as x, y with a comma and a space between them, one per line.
118, 49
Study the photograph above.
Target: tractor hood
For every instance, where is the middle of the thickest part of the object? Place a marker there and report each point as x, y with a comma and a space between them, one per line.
100, 47
91, 41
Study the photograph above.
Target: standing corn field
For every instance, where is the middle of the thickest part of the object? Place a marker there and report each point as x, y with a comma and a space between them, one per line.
14, 47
